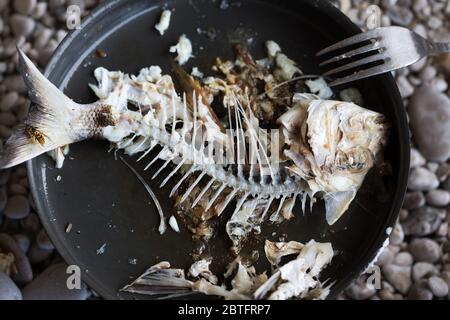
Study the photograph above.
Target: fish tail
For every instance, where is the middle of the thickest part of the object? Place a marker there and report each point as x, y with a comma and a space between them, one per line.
47, 125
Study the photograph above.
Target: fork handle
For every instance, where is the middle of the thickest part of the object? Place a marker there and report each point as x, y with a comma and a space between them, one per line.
439, 48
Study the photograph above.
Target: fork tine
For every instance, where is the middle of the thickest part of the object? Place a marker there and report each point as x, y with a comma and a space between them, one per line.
358, 63
350, 41
361, 75
352, 53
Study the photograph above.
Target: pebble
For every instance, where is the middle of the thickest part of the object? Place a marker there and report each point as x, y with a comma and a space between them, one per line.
429, 112
417, 160
43, 241
39, 10
405, 88
8, 289
21, 25
360, 291
17, 189
423, 221
400, 15
438, 287
386, 257
51, 285
421, 179
3, 198
18, 207
428, 73
398, 276
414, 200
25, 273
23, 242
398, 235
38, 255
4, 176
438, 198
31, 224
425, 250
7, 119
15, 83
421, 270
8, 101
420, 291
404, 259
24, 6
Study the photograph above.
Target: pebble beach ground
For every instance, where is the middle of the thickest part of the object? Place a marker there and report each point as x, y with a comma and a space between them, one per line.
416, 264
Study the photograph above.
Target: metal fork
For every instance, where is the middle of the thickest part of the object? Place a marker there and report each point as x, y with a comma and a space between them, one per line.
391, 47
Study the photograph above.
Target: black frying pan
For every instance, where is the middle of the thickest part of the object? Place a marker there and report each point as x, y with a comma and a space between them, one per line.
106, 204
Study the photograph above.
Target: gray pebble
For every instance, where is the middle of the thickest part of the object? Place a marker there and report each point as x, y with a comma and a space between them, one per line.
446, 277
17, 207
8, 289
7, 119
417, 160
422, 270
15, 83
421, 179
400, 15
21, 25
429, 112
31, 224
432, 166
17, 189
5, 132
414, 200
3, 198
423, 221
4, 176
404, 259
420, 291
438, 287
428, 73
398, 235
386, 257
360, 291
8, 101
24, 6
51, 285
439, 84
426, 250
43, 241
443, 172
38, 255
405, 88
23, 242
398, 276
438, 198
39, 10
25, 273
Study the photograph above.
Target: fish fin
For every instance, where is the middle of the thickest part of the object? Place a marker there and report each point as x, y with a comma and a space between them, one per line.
336, 204
44, 128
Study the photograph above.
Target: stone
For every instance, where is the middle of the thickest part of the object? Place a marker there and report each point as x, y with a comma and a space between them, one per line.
3, 198
423, 221
8, 289
421, 179
43, 241
404, 259
398, 235
429, 113
438, 198
414, 200
15, 83
24, 6
31, 224
405, 87
25, 273
438, 287
8, 101
398, 276
360, 291
21, 25
420, 291
386, 257
51, 285
17, 207
425, 250
422, 270
38, 255
7, 119
23, 242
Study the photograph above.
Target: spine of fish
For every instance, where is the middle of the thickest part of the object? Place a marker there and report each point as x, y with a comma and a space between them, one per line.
54, 119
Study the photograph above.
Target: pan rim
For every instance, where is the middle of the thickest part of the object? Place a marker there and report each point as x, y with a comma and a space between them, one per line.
388, 83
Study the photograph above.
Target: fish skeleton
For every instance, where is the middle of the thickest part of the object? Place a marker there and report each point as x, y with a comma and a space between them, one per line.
329, 146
